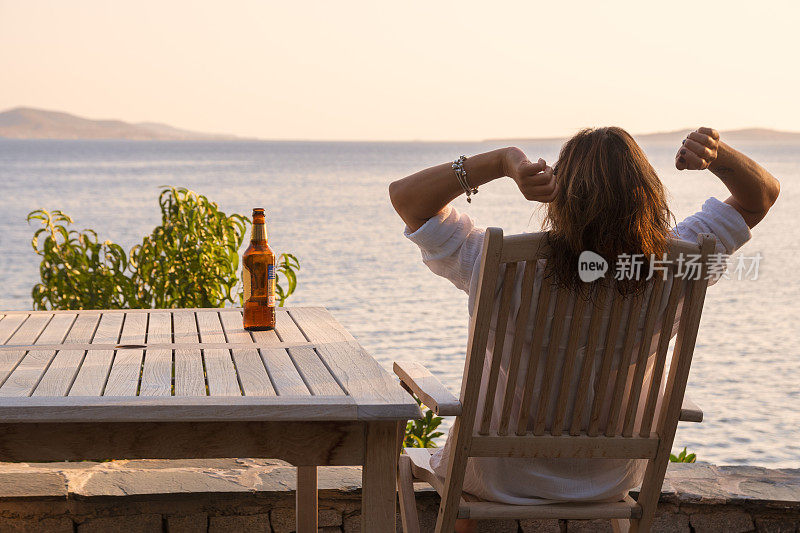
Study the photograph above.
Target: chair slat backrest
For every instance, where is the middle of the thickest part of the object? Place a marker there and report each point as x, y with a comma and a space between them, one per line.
564, 382
606, 356
501, 323
556, 327
642, 356
581, 378
593, 340
526, 301
532, 368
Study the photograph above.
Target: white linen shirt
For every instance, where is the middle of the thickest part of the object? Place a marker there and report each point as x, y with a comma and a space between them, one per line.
451, 246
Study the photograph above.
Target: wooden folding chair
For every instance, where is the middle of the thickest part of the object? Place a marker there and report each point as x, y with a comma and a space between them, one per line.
618, 437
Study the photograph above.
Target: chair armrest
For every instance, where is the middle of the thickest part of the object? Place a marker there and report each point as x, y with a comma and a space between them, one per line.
690, 412
416, 379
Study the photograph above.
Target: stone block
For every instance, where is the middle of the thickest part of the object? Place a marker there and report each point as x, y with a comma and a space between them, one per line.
32, 525
169, 464
339, 480
589, 526
352, 523
156, 481
255, 523
729, 521
777, 525
32, 484
282, 520
193, 523
142, 523
498, 526
540, 526
427, 521
329, 529
329, 518
670, 522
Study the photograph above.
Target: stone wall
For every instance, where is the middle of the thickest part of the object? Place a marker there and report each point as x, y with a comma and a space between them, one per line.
242, 495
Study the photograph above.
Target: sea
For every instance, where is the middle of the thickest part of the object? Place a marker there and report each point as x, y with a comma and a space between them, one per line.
328, 203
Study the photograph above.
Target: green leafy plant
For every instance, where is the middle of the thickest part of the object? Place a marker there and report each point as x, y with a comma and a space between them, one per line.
190, 260
77, 271
421, 433
287, 266
682, 457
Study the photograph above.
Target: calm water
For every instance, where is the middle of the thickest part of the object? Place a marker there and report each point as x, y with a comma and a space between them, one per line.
328, 203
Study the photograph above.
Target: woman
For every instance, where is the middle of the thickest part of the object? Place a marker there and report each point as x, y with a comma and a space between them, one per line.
602, 195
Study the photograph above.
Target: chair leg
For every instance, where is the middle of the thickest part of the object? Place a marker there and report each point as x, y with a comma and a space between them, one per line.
405, 491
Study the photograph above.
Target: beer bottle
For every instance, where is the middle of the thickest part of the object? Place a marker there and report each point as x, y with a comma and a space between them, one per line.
258, 273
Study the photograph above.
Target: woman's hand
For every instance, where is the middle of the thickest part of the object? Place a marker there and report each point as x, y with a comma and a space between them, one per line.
535, 180
699, 150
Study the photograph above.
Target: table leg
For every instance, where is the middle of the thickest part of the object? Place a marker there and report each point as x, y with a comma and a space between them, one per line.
306, 500
401, 436
379, 478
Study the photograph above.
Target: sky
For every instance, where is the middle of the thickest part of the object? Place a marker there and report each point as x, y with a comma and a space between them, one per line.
433, 70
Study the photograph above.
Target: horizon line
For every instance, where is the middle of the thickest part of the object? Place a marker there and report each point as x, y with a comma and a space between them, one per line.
237, 138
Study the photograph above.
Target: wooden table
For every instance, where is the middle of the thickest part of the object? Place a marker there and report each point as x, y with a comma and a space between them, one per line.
191, 383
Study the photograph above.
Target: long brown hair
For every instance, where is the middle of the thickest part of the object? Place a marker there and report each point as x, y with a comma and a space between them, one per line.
610, 201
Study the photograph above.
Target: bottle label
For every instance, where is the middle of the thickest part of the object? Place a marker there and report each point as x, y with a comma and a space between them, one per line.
248, 291
271, 285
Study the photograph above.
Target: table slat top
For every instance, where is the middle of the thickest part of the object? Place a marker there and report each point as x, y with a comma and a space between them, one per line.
189, 364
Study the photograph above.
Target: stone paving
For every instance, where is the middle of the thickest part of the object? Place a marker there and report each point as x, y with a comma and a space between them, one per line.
243, 495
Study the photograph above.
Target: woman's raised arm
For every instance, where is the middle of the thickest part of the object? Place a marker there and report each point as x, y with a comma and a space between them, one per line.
753, 189
420, 196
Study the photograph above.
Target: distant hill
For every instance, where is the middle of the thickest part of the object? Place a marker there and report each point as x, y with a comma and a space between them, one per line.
734, 136
30, 123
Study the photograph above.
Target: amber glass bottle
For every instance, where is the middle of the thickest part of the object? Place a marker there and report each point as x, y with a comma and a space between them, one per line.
258, 273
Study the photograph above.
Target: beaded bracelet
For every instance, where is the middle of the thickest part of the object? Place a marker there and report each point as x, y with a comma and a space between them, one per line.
461, 176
